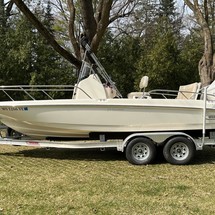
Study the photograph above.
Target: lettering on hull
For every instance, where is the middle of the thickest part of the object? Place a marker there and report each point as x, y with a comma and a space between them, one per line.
14, 108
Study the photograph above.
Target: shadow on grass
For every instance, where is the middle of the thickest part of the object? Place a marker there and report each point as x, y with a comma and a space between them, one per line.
69, 154
205, 156
110, 154
201, 157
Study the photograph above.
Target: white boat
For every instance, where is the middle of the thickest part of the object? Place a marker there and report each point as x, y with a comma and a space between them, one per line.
95, 108
80, 118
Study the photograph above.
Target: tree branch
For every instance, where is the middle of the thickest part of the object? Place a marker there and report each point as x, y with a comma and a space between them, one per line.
206, 10
103, 22
59, 7
88, 18
189, 4
73, 40
9, 8
46, 34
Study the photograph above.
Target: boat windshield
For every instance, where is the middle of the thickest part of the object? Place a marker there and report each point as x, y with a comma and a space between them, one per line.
85, 71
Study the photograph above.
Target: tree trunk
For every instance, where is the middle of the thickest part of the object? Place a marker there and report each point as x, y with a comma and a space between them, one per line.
95, 27
102, 21
207, 62
206, 71
72, 29
89, 21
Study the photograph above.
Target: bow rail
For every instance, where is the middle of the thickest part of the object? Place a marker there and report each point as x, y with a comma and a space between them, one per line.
35, 92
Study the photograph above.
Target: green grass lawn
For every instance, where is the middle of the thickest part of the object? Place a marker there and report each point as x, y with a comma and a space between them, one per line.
57, 181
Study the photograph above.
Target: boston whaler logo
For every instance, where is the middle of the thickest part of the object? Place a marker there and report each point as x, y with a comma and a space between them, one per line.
14, 108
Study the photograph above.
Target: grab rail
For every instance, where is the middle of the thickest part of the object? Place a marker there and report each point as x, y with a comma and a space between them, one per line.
28, 89
173, 93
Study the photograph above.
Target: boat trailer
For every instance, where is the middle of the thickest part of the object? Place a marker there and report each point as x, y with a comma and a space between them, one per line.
140, 148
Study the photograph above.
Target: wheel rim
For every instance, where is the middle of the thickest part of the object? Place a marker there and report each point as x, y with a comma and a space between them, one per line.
179, 151
140, 151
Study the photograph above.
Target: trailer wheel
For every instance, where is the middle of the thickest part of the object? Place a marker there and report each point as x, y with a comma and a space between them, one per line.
179, 150
140, 151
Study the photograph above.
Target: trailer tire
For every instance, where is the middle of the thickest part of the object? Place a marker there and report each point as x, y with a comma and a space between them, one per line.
140, 151
179, 151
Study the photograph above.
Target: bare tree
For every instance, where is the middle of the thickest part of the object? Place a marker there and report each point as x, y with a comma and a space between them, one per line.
45, 33
202, 12
95, 17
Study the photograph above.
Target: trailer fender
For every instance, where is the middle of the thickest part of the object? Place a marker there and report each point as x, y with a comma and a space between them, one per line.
157, 137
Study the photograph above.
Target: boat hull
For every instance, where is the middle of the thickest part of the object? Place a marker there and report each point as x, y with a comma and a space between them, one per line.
79, 118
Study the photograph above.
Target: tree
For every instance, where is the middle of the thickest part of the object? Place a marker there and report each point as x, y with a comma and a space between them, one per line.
119, 56
48, 66
96, 16
2, 14
162, 62
160, 58
168, 15
202, 15
14, 53
140, 22
48, 35
26, 57
191, 52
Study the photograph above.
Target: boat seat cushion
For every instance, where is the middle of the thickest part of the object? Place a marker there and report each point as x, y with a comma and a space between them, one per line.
135, 95
189, 91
